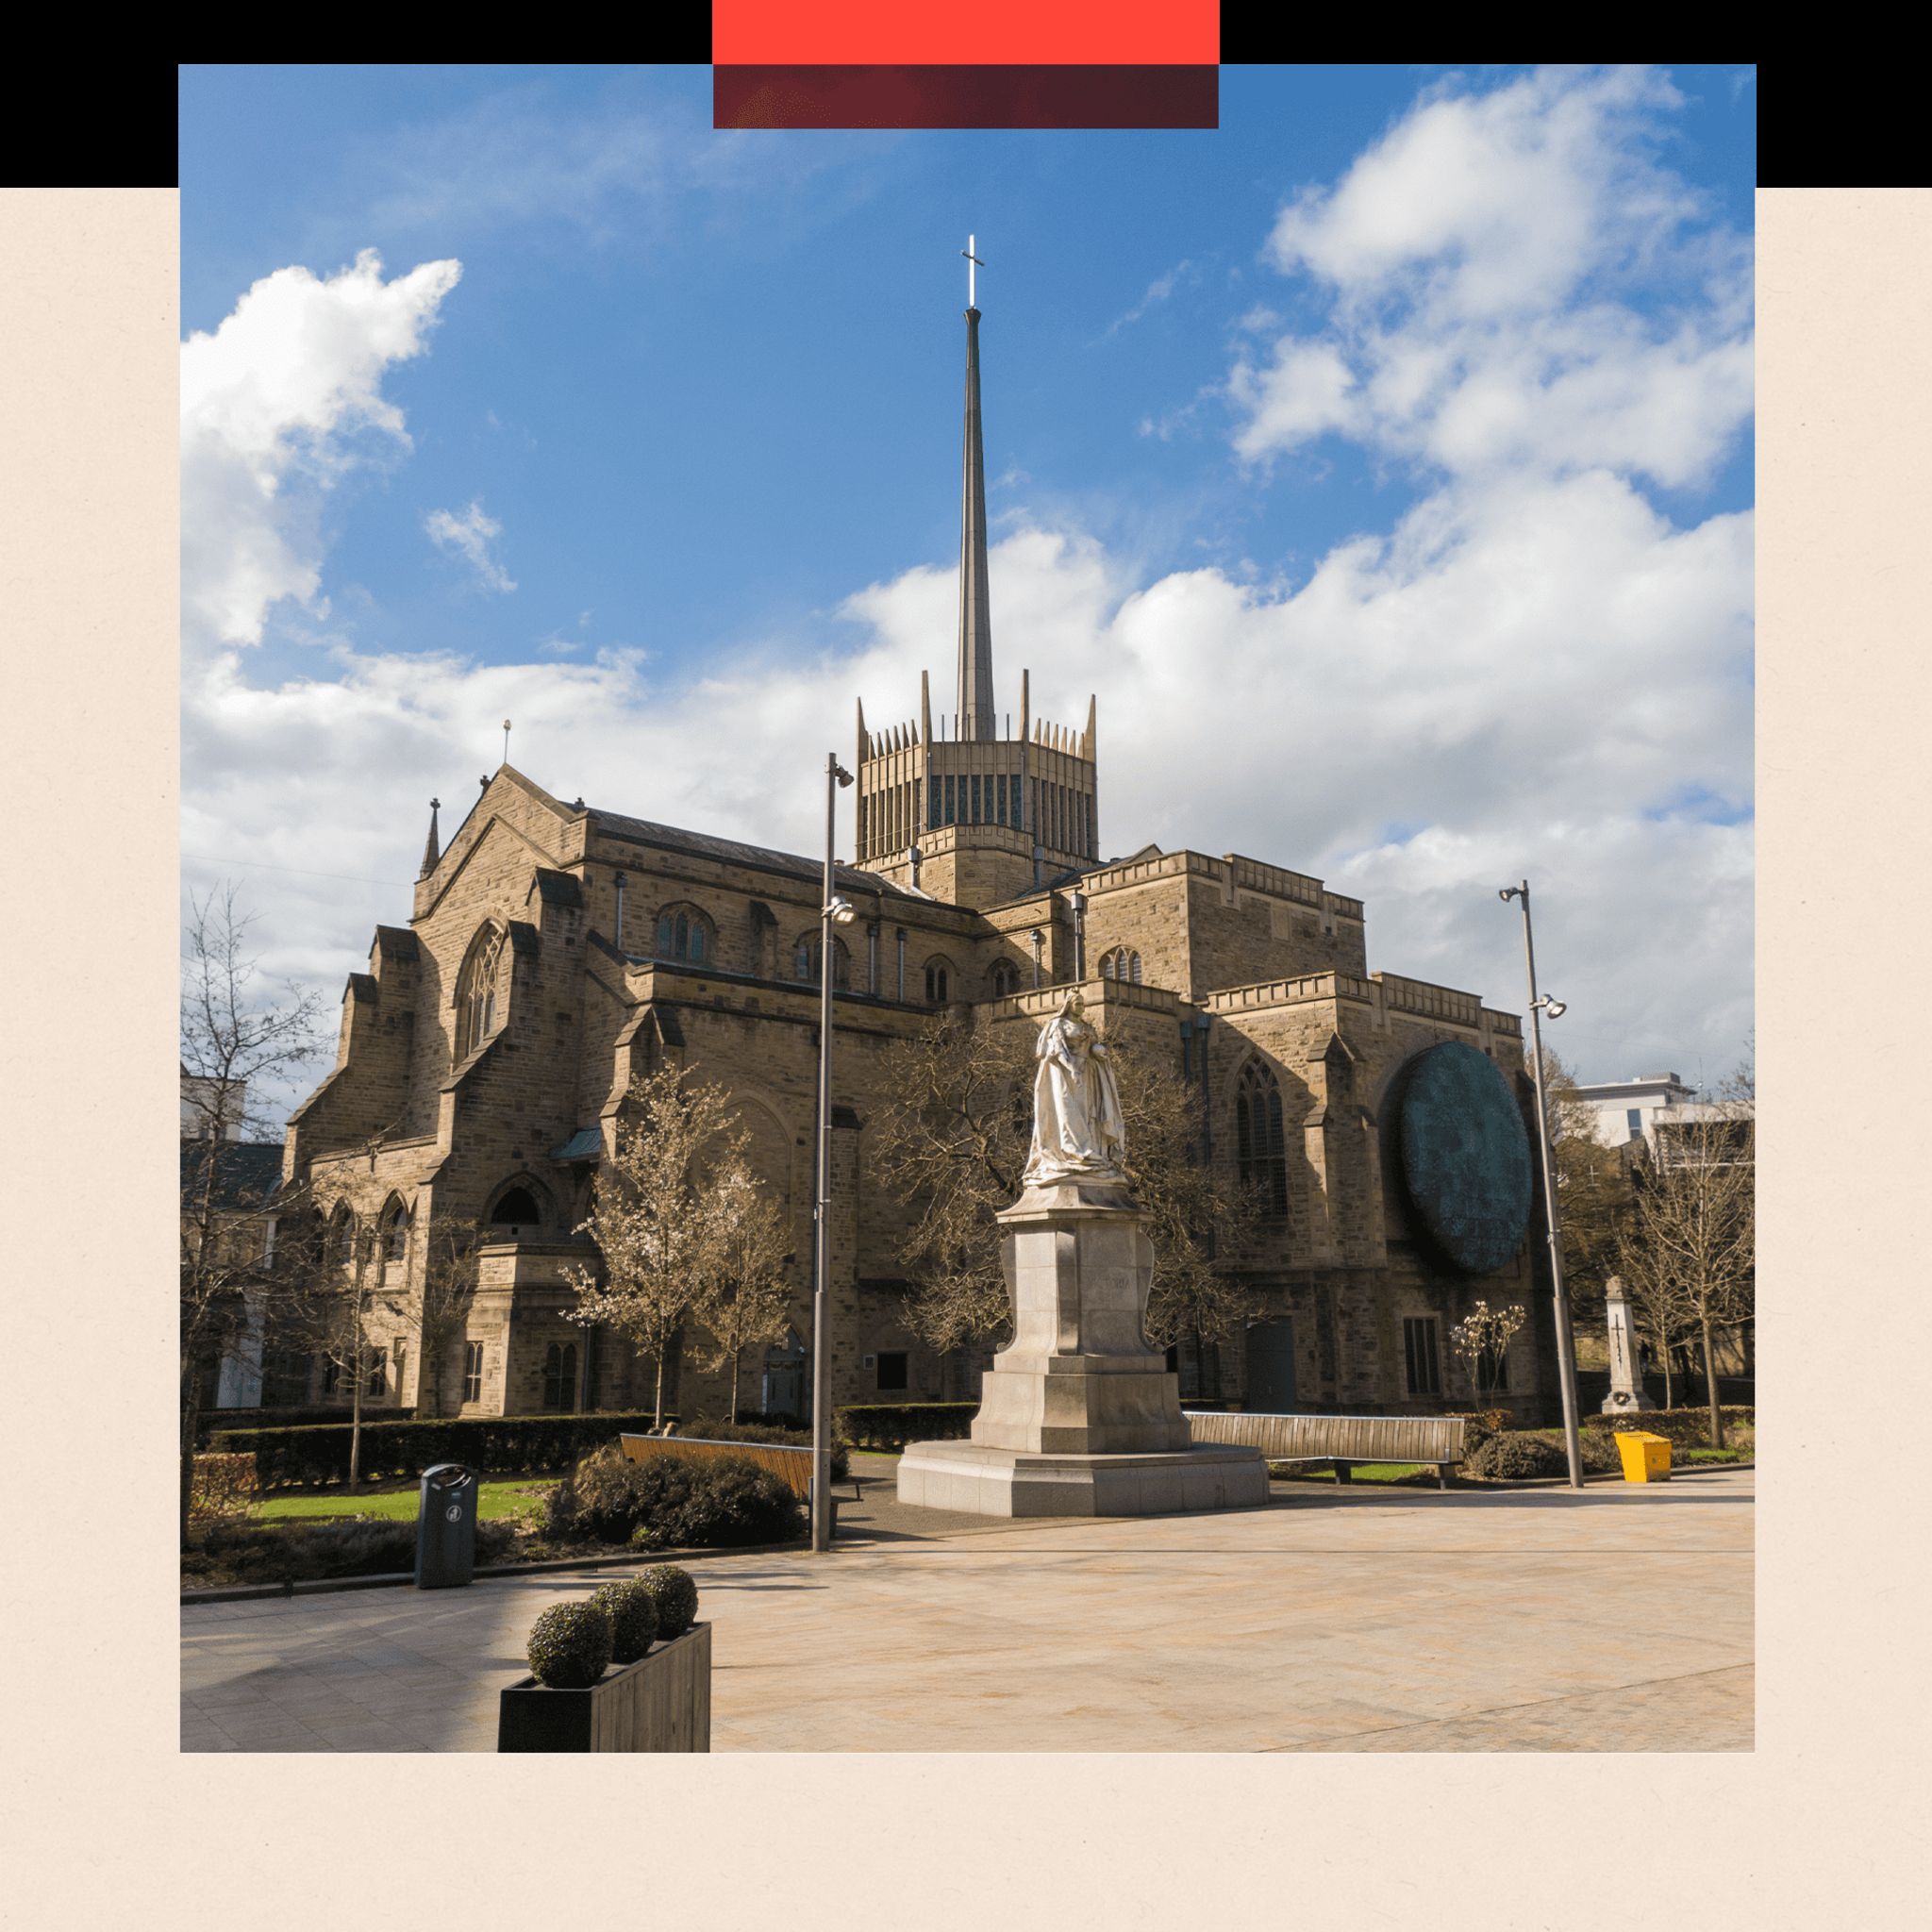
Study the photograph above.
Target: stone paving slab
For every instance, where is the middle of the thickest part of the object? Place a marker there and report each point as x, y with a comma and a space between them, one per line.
1332, 1620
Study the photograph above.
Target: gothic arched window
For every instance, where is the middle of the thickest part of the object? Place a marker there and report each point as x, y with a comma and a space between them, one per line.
1120, 964
684, 933
341, 1237
560, 1377
516, 1206
1257, 1137
1006, 979
478, 1002
805, 961
395, 1233
939, 975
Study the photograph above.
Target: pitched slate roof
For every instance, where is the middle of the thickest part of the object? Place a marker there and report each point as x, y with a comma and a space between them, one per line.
731, 852
246, 1172
396, 942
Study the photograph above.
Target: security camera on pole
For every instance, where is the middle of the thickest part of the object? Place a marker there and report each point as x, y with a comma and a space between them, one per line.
834, 911
1566, 1348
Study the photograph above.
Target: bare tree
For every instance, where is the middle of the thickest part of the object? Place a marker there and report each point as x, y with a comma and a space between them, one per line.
954, 1145
450, 1244
1689, 1255
952, 1140
1593, 1195
746, 1297
235, 1041
335, 1281
1196, 1213
655, 1215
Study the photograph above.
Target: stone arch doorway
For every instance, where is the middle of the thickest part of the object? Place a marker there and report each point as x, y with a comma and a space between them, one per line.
782, 1390
1270, 1380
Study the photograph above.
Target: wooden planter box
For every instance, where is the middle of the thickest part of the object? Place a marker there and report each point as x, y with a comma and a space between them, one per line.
660, 1703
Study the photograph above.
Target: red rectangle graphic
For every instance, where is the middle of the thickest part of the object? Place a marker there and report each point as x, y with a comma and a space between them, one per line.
990, 33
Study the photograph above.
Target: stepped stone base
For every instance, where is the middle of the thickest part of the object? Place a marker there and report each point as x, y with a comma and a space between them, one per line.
983, 1480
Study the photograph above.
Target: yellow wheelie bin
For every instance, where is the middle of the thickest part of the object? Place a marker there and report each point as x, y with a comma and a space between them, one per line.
1646, 1457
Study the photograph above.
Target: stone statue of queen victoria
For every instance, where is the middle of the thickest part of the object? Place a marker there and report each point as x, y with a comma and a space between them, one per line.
1078, 1132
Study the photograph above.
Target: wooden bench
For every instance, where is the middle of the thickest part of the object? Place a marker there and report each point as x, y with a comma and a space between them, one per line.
1429, 1442
793, 1466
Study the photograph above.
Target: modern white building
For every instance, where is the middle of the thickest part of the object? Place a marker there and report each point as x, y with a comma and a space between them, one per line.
202, 1102
1627, 1109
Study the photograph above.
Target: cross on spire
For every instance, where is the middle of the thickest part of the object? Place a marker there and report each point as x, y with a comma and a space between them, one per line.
973, 263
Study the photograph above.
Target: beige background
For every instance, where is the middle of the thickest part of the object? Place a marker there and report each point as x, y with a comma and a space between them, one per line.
109, 1826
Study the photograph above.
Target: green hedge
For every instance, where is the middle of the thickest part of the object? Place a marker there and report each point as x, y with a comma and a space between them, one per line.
494, 1444
1688, 1429
892, 1424
243, 1552
212, 1422
672, 1501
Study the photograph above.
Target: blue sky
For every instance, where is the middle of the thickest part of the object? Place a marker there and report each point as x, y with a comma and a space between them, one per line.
1359, 454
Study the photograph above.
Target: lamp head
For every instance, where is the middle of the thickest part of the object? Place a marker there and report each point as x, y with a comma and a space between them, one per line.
841, 911
844, 776
1555, 1008
1507, 893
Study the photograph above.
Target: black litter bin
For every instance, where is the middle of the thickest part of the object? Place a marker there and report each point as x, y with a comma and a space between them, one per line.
446, 1527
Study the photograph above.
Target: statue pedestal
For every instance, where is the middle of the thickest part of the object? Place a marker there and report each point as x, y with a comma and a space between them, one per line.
1078, 1416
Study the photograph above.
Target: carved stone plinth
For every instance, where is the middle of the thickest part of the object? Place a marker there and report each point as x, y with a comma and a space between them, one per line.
1079, 1416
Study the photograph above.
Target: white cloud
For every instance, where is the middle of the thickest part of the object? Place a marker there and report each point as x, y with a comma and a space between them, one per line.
1530, 684
1514, 284
1303, 392
624, 168
1534, 671
275, 406
1158, 291
470, 535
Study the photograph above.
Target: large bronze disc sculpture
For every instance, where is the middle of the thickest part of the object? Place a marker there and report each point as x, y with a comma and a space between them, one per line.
1465, 1156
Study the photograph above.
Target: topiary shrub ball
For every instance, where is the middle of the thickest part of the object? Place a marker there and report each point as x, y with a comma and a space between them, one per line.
570, 1645
676, 1597
633, 1615
1517, 1456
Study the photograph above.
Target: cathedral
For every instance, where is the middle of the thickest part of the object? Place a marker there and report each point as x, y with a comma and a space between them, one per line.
554, 950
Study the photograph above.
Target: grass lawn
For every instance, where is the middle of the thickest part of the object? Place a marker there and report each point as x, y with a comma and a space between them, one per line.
508, 1497
1362, 1473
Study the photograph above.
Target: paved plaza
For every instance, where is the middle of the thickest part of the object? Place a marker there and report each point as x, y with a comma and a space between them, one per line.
1336, 1619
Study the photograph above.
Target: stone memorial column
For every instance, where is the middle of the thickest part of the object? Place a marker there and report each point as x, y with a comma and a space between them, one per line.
1626, 1394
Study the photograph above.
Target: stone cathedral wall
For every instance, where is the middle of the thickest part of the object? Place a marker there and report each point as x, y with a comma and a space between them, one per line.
1262, 967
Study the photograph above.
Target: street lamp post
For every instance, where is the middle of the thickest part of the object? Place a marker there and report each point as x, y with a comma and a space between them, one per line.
833, 912
1566, 1347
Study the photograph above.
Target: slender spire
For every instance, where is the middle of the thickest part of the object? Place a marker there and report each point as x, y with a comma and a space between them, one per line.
977, 716
431, 852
